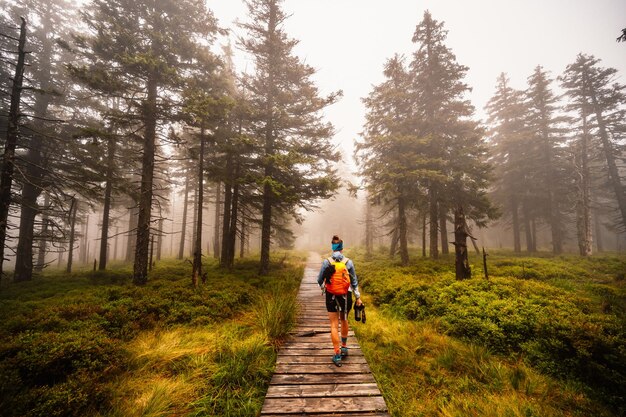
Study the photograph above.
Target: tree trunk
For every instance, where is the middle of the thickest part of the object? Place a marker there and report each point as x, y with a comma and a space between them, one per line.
232, 238
140, 267
8, 158
183, 227
160, 240
194, 222
527, 229
402, 232
33, 169
462, 266
583, 203
268, 192
72, 216
131, 241
369, 233
242, 242
84, 248
197, 250
117, 238
554, 216
60, 258
151, 263
24, 255
443, 220
395, 236
598, 232
614, 178
533, 234
216, 226
106, 210
228, 198
424, 235
517, 244
434, 220
43, 236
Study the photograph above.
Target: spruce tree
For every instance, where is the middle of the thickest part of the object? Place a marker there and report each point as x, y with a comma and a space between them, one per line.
455, 170
140, 51
509, 141
11, 138
389, 156
594, 91
548, 138
52, 156
294, 141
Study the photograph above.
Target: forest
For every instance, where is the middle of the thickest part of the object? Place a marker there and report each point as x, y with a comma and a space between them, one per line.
157, 196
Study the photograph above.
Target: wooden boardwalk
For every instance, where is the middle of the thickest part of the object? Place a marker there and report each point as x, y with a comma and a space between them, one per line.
306, 382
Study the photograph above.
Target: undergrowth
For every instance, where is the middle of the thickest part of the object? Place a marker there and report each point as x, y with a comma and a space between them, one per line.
552, 317
93, 344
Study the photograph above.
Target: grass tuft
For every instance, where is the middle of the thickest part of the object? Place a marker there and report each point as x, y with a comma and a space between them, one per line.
274, 314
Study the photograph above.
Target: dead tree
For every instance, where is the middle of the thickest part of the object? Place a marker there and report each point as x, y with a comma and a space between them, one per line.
462, 266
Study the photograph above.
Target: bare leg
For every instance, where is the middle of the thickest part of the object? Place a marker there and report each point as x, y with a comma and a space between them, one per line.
334, 330
344, 326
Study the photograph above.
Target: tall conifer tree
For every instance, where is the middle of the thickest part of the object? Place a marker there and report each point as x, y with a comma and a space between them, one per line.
509, 150
456, 171
594, 91
141, 50
294, 140
389, 155
553, 169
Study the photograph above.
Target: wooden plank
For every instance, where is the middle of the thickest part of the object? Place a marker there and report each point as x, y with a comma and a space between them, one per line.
323, 390
354, 351
347, 368
335, 414
323, 405
318, 359
289, 379
321, 338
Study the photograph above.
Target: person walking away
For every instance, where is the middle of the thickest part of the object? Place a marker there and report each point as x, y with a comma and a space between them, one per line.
338, 281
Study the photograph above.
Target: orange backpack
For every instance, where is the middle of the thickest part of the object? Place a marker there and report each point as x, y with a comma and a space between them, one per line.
338, 278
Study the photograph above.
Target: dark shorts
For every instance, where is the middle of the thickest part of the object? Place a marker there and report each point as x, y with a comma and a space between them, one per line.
338, 303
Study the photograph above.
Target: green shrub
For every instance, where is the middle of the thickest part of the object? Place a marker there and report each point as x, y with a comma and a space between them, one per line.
64, 338
561, 318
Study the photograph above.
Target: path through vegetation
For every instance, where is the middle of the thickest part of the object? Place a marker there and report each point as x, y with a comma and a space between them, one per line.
306, 382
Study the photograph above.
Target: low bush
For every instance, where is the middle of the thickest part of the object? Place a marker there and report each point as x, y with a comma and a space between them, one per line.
556, 315
423, 372
71, 345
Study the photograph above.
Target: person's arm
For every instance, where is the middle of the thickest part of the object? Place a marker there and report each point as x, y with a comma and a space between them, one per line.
320, 276
354, 281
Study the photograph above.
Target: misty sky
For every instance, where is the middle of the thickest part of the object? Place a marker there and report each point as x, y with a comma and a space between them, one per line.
348, 41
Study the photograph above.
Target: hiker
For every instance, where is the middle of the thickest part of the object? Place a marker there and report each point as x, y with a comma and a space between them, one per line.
338, 281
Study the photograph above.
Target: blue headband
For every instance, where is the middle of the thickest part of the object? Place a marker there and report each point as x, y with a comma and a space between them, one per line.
337, 246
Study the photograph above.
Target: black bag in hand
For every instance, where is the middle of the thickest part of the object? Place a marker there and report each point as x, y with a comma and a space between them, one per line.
359, 312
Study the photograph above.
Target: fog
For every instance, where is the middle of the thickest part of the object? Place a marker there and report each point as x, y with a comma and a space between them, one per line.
299, 120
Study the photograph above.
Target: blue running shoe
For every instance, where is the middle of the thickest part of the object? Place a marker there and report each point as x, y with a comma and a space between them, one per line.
337, 359
344, 351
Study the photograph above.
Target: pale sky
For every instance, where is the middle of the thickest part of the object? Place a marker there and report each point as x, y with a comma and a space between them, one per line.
348, 41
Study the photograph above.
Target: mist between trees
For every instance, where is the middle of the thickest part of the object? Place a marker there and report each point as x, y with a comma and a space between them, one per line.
128, 129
